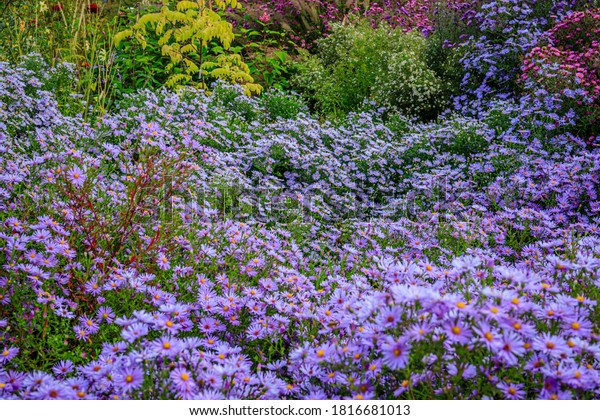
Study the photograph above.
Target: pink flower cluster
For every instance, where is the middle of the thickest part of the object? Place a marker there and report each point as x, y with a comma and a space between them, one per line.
571, 60
310, 19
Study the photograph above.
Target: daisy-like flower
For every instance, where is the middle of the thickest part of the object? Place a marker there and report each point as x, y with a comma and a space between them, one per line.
395, 354
487, 335
457, 332
81, 333
129, 378
7, 354
76, 176
91, 325
54, 391
63, 367
163, 262
166, 345
512, 391
182, 380
106, 314
550, 344
510, 348
134, 331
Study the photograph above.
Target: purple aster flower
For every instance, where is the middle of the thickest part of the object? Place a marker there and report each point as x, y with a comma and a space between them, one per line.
105, 314
91, 325
134, 331
550, 344
163, 262
510, 348
512, 391
182, 380
63, 367
76, 176
54, 391
395, 354
166, 345
129, 378
7, 354
457, 332
81, 333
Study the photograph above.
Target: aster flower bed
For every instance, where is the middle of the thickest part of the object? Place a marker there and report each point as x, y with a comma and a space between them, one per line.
204, 247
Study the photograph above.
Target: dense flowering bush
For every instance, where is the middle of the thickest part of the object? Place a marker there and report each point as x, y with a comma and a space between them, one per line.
150, 251
507, 30
569, 66
357, 63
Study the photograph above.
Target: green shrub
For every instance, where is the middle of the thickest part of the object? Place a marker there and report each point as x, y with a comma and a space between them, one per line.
358, 62
280, 104
185, 35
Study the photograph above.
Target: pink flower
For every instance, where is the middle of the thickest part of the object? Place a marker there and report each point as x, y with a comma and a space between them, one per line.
265, 18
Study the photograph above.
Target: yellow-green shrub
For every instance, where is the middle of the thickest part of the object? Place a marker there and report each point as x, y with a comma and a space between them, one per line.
185, 34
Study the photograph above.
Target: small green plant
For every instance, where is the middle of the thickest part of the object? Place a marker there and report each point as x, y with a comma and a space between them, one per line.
279, 104
185, 36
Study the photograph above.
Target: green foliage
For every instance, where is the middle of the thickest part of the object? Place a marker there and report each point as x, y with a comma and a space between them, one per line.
185, 36
137, 67
264, 49
357, 63
278, 104
65, 32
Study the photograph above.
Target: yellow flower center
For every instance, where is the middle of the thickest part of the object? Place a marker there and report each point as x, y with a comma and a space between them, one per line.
169, 323
488, 336
321, 353
184, 376
461, 305
456, 330
166, 345
575, 325
129, 379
